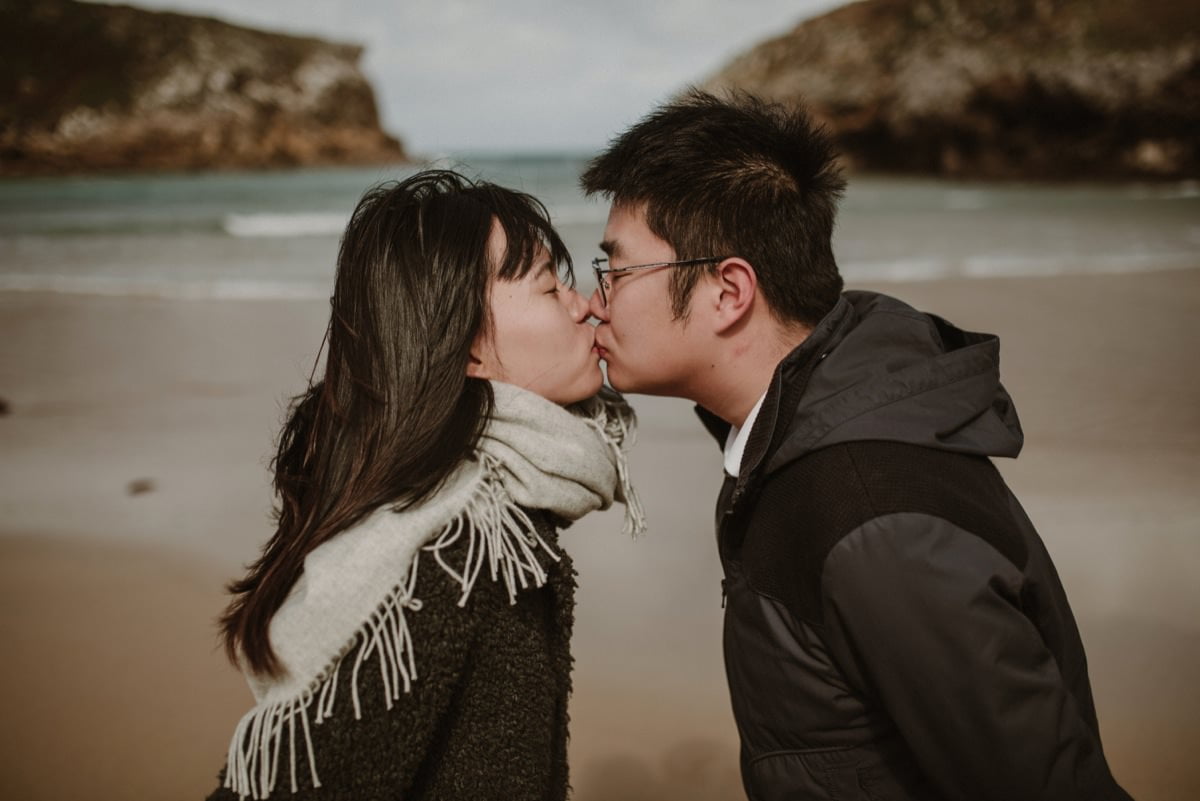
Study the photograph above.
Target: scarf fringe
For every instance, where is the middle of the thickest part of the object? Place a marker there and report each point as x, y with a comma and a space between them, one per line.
618, 431
501, 535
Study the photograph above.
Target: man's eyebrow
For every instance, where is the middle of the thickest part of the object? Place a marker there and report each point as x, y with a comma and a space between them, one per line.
610, 247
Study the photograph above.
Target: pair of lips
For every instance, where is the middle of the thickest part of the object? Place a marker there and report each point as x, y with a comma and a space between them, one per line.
597, 347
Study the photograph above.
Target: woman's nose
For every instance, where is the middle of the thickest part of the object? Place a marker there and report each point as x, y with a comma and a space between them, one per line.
577, 306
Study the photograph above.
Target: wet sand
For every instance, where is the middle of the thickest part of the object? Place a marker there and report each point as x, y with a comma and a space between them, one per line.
113, 687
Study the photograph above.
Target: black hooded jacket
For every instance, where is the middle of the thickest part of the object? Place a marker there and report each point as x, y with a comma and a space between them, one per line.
894, 627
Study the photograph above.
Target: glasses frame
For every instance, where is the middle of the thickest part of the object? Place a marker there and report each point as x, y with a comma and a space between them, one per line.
603, 272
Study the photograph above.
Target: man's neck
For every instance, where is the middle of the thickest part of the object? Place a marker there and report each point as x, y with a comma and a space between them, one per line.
740, 372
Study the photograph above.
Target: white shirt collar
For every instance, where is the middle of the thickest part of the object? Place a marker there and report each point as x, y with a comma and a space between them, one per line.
735, 442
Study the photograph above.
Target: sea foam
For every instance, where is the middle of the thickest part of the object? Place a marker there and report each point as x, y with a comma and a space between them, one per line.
285, 225
114, 286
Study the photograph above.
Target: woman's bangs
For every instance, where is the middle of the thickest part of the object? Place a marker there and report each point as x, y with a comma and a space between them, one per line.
527, 228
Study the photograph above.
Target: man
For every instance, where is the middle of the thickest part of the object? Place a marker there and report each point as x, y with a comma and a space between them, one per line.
894, 627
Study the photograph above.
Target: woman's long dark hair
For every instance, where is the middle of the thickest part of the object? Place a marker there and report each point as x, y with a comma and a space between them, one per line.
395, 412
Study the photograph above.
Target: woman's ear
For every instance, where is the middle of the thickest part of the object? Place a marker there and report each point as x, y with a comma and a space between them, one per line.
479, 359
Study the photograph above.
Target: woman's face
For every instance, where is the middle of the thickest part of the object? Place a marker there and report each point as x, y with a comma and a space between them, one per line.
541, 339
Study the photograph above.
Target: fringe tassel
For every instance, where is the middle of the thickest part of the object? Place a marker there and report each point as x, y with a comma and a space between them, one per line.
500, 535
619, 432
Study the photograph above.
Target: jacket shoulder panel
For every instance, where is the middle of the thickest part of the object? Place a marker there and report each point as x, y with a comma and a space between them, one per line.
806, 508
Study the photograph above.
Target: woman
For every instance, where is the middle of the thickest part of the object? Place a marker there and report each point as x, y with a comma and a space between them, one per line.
406, 629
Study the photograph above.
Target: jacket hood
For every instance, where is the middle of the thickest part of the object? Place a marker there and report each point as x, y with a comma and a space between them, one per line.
881, 370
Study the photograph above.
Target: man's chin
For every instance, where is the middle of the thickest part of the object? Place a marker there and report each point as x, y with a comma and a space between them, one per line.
617, 380
626, 384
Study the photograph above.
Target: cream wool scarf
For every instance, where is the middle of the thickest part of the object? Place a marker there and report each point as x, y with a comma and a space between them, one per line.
350, 603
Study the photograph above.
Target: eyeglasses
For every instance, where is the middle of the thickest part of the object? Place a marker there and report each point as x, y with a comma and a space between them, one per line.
603, 272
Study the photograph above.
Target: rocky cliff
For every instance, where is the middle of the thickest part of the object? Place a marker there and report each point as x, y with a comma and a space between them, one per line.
88, 87
996, 88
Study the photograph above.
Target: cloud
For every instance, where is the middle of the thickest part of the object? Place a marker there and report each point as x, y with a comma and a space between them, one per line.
524, 74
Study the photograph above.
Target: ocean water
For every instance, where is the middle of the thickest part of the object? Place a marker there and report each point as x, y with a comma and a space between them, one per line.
275, 234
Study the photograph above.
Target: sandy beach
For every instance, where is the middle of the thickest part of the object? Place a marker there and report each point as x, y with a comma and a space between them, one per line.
133, 484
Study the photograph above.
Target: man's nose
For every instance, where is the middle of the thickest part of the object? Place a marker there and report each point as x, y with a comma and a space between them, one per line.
597, 308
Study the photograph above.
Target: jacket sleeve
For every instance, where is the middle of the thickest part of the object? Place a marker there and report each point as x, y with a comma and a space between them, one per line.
381, 755
927, 618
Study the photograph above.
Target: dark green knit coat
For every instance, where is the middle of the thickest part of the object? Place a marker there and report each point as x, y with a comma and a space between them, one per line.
486, 717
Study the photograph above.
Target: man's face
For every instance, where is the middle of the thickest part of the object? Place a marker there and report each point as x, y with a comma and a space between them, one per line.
646, 350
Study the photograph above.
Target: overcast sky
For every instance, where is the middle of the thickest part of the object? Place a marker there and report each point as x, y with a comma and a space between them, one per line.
525, 74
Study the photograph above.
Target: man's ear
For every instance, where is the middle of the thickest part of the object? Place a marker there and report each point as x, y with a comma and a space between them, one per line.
736, 286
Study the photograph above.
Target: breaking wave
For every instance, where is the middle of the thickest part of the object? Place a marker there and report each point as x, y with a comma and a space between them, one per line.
285, 225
